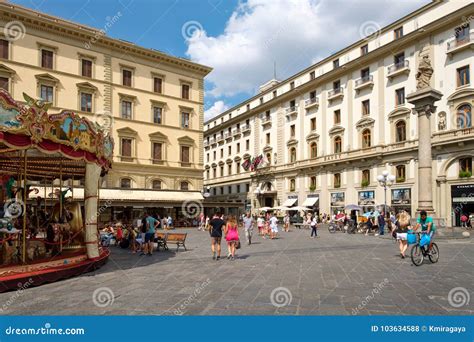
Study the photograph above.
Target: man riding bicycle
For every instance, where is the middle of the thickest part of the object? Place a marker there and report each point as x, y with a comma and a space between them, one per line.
427, 226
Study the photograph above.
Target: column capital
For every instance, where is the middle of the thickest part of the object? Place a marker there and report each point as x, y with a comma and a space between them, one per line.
423, 100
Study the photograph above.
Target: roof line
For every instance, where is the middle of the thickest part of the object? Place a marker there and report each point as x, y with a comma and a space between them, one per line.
330, 57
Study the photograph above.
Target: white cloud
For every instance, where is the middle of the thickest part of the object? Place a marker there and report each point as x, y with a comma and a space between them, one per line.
217, 108
293, 33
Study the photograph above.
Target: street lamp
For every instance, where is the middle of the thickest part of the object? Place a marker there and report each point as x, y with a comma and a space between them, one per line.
385, 180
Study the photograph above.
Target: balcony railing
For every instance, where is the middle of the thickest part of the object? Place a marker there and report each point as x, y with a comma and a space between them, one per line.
212, 141
266, 120
311, 101
458, 42
206, 142
398, 67
291, 110
336, 92
245, 128
220, 137
236, 131
227, 135
365, 80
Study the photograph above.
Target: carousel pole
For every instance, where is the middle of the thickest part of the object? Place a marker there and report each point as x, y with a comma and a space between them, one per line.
61, 203
23, 247
60, 189
91, 209
45, 195
72, 187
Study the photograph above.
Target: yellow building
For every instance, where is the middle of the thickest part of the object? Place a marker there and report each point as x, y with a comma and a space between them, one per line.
152, 102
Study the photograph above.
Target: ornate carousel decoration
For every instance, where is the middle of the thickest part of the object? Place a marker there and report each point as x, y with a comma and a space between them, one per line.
45, 234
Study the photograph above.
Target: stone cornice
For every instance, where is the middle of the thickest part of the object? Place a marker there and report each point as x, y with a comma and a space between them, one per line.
345, 69
61, 27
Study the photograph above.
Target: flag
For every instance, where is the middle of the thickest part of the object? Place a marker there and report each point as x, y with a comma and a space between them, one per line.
246, 165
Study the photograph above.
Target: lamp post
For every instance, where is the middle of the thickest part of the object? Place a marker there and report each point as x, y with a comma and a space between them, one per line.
385, 180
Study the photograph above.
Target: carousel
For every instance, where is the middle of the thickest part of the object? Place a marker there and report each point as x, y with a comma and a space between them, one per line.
46, 235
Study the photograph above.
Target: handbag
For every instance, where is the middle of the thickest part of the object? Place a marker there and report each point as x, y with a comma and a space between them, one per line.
237, 244
411, 237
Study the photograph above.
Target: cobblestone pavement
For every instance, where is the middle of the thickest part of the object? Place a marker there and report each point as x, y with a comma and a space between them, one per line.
336, 274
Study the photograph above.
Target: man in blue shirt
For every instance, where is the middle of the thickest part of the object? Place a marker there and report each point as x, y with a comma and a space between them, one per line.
427, 225
151, 224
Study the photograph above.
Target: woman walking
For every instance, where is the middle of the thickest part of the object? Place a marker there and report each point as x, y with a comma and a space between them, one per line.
232, 236
286, 221
402, 223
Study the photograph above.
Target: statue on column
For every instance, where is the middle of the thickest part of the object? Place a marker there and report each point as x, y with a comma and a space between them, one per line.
425, 71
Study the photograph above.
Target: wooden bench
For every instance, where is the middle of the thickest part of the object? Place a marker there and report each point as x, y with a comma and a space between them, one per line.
177, 238
160, 239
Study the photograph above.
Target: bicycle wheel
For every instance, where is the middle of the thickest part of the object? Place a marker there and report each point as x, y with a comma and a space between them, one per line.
434, 253
417, 255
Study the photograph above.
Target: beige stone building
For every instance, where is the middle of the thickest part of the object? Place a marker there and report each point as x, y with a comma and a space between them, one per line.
327, 132
152, 102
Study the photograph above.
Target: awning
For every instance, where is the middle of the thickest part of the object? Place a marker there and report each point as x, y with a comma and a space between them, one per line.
310, 201
131, 195
289, 202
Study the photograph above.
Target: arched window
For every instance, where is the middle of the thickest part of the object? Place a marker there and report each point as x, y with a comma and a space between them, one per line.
126, 183
267, 186
269, 158
292, 155
366, 138
401, 131
313, 150
401, 173
292, 184
184, 186
156, 184
463, 116
337, 180
365, 177
337, 144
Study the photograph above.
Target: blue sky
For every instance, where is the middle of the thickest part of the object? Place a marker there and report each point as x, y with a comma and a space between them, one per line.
242, 39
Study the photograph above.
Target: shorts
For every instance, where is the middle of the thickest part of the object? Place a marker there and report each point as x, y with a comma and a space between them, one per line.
149, 237
274, 229
216, 239
402, 236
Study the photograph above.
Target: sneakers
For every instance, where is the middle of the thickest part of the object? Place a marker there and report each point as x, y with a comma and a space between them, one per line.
229, 256
376, 234
218, 257
213, 256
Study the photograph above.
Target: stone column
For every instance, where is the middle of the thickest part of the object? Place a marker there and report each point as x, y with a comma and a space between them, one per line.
91, 209
423, 101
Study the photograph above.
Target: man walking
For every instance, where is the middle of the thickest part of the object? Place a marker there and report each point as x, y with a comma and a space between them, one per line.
152, 224
381, 223
216, 226
248, 227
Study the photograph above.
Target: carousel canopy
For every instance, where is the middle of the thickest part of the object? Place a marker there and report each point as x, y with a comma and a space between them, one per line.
55, 143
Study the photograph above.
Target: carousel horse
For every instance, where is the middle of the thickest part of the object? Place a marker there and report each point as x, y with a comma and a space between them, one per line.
70, 222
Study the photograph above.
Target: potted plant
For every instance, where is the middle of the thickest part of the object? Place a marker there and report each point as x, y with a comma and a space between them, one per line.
465, 174
365, 183
312, 187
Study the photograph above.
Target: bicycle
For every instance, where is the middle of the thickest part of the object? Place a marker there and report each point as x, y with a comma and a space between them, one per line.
418, 253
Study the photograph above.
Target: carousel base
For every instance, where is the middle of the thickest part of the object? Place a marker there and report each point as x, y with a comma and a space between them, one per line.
21, 277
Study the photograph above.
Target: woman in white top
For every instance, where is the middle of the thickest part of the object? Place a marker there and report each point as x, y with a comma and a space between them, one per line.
273, 227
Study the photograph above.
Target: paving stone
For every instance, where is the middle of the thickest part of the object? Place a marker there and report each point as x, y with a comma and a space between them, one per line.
332, 275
